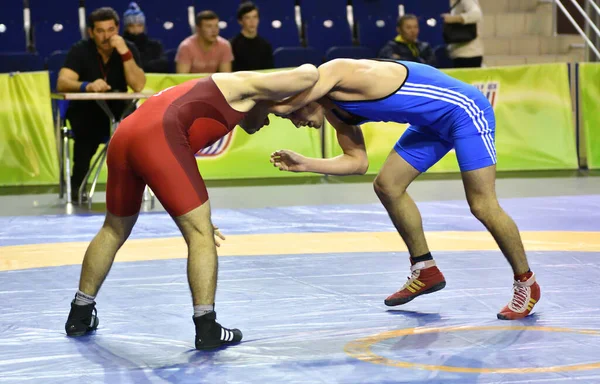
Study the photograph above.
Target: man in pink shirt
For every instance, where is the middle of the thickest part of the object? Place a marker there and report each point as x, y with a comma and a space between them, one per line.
205, 51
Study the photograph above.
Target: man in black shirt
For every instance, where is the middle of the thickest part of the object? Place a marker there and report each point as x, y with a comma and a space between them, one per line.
151, 51
105, 62
250, 51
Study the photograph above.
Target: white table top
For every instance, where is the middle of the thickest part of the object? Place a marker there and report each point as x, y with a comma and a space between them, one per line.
100, 95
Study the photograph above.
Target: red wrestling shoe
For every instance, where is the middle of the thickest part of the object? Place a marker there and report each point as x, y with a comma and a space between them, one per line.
525, 295
425, 278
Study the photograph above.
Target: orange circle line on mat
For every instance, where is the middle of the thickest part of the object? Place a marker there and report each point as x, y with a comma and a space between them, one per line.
361, 350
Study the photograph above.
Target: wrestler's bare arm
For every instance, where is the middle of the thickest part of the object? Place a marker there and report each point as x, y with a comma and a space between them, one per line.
347, 79
247, 88
330, 75
281, 84
353, 161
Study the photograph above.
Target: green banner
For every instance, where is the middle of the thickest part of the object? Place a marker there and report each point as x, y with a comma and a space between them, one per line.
589, 101
28, 154
534, 120
532, 105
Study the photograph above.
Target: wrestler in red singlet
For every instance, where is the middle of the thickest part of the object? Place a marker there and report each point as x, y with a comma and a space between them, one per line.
157, 144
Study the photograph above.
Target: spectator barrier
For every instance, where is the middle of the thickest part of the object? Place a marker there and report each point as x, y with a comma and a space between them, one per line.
535, 127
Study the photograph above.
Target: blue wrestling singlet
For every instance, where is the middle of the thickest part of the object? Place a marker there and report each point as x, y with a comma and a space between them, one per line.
443, 113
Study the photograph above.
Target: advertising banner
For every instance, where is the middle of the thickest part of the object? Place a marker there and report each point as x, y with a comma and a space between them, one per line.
589, 103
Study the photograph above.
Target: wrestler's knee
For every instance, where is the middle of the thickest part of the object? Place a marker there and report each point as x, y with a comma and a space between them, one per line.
118, 228
386, 189
484, 208
196, 224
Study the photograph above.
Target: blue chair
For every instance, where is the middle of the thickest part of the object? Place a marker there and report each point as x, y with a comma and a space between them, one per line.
426, 10
278, 23
54, 27
351, 52
375, 21
326, 24
20, 62
120, 6
442, 57
12, 35
171, 59
167, 23
287, 57
54, 63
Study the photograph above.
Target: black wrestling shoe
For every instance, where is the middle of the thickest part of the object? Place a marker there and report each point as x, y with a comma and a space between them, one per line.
210, 334
82, 319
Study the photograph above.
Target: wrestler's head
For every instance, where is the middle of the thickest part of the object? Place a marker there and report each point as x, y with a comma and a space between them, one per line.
256, 118
311, 115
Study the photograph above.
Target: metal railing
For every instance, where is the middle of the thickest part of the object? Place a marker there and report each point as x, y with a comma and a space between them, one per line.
590, 33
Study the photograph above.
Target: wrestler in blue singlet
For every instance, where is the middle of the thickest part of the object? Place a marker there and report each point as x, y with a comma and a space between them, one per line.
443, 113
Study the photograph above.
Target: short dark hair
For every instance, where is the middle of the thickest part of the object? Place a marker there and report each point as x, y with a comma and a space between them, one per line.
246, 7
402, 19
205, 15
102, 14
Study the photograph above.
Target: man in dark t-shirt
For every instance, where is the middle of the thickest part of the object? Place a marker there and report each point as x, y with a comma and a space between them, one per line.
103, 63
251, 52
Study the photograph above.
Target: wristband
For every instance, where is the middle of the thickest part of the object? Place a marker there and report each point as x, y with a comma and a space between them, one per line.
83, 86
127, 56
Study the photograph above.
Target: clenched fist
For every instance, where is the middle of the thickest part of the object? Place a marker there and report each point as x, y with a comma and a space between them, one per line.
97, 86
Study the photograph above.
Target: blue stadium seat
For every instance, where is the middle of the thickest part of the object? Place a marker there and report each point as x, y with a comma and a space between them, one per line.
375, 21
326, 24
55, 27
350, 52
442, 57
20, 62
54, 63
120, 6
286, 57
226, 9
168, 24
12, 33
428, 10
171, 59
282, 33
165, 21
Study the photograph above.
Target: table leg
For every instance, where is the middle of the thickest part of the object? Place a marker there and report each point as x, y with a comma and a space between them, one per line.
95, 165
113, 122
66, 160
61, 167
59, 140
102, 157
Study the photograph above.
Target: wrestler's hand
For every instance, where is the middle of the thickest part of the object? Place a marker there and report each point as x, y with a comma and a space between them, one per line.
287, 160
98, 85
118, 43
219, 235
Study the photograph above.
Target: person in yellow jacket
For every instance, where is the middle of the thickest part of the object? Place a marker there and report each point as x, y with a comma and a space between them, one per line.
406, 45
